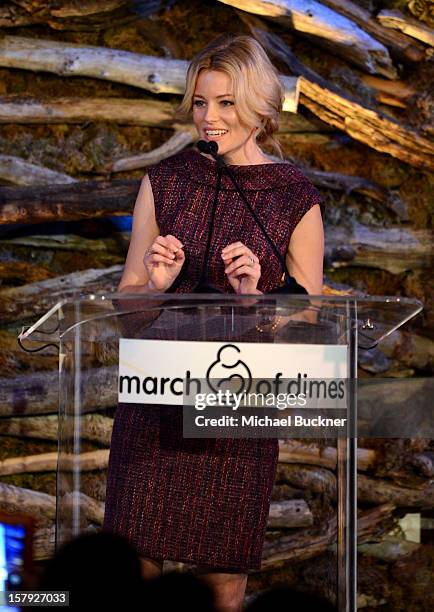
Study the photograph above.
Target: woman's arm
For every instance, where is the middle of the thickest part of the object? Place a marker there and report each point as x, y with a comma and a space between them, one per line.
304, 259
135, 278
305, 253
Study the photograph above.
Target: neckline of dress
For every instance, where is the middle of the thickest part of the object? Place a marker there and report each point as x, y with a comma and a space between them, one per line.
213, 162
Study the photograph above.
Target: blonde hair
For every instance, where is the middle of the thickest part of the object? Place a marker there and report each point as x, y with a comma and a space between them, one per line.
258, 91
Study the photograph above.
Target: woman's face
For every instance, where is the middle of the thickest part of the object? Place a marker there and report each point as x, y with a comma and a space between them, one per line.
216, 118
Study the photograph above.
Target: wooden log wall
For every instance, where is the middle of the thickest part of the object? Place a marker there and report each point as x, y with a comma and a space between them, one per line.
87, 92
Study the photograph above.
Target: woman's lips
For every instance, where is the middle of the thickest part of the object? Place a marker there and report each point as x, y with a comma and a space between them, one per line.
212, 137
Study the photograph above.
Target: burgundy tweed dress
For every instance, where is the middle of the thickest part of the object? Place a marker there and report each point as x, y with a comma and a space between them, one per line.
203, 501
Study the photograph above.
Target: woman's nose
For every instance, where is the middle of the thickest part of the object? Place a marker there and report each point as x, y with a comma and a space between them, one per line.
211, 113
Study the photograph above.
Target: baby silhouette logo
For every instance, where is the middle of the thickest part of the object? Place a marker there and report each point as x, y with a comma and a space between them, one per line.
229, 372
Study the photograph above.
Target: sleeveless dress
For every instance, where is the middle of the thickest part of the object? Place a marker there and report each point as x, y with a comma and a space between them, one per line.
203, 501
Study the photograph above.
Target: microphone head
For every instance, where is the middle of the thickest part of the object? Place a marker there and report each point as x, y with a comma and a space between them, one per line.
207, 147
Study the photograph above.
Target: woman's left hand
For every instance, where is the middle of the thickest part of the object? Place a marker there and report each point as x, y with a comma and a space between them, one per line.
242, 268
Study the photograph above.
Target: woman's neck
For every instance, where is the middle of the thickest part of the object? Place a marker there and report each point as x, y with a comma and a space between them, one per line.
236, 161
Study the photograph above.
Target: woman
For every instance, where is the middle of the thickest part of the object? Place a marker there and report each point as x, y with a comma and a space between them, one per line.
235, 97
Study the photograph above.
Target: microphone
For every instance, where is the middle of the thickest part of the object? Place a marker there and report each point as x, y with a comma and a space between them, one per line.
211, 147
291, 285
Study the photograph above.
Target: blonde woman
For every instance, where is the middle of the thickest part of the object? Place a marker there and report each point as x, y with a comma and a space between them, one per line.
206, 502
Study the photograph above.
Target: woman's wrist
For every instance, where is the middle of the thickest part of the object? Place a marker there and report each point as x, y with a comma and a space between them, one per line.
146, 288
151, 288
253, 292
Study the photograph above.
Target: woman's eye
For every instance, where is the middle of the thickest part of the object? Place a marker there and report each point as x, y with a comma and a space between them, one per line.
224, 102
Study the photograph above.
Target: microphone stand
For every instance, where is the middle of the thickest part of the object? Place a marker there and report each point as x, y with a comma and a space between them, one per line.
204, 286
291, 285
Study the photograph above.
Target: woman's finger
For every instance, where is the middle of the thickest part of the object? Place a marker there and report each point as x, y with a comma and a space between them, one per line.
247, 270
233, 245
163, 241
244, 260
174, 242
236, 252
155, 258
162, 250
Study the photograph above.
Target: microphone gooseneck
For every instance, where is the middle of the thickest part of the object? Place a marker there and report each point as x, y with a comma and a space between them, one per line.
291, 285
204, 286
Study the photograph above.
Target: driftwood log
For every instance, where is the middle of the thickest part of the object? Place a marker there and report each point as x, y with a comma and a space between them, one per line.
328, 28
36, 298
124, 111
399, 45
389, 548
98, 428
395, 93
17, 499
38, 393
312, 542
71, 15
89, 199
154, 74
424, 462
394, 249
94, 427
43, 506
396, 20
70, 242
378, 491
44, 540
346, 183
300, 451
327, 102
316, 479
48, 462
369, 489
175, 144
21, 172
289, 514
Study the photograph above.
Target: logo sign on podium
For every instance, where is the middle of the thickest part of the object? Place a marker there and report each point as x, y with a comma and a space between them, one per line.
163, 372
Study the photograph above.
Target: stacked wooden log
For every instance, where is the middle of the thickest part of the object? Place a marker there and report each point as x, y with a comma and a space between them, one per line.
87, 93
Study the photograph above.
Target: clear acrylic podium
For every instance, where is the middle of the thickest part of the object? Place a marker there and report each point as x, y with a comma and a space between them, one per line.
88, 330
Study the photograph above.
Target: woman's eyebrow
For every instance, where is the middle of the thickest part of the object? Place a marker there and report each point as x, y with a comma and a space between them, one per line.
222, 95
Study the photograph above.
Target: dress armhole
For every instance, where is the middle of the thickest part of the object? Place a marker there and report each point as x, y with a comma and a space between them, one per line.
305, 195
152, 175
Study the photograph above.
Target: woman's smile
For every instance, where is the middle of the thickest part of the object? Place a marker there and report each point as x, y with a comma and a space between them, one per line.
214, 134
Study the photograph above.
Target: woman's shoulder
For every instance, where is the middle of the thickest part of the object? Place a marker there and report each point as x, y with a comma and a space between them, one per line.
172, 164
293, 173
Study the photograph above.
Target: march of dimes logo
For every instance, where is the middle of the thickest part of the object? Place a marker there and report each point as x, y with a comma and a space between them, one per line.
167, 372
229, 372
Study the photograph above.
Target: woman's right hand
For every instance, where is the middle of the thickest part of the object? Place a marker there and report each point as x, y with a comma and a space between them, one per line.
163, 262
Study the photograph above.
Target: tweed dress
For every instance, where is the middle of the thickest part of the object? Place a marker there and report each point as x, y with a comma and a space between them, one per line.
203, 501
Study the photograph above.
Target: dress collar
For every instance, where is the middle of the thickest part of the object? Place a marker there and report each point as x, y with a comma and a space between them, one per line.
201, 169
